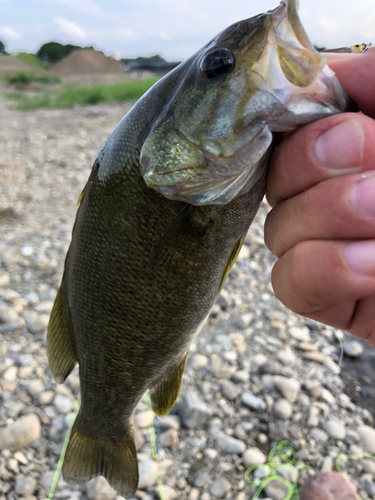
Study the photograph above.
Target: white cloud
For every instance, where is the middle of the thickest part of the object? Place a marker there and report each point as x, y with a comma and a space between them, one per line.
8, 32
69, 28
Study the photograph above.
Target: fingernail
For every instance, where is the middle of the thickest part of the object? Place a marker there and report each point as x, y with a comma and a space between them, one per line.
363, 195
360, 256
341, 147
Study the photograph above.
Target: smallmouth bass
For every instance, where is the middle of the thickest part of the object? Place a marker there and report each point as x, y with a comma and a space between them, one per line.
161, 221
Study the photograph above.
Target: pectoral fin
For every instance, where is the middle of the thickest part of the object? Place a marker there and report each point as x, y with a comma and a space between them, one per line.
60, 352
232, 260
164, 393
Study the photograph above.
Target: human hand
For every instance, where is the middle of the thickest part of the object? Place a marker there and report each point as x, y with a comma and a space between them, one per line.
321, 186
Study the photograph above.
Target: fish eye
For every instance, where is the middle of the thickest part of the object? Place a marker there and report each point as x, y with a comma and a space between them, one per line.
218, 62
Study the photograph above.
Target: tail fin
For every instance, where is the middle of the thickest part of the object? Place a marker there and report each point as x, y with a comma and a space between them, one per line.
88, 456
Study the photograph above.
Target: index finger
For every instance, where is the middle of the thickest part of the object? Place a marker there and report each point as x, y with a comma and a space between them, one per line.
356, 74
300, 162
339, 145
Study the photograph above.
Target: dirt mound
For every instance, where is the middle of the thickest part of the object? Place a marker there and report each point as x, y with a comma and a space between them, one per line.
9, 64
87, 62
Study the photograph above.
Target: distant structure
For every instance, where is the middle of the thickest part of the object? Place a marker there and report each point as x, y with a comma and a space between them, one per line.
159, 67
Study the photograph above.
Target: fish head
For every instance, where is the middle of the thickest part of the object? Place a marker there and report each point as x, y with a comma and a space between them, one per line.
257, 77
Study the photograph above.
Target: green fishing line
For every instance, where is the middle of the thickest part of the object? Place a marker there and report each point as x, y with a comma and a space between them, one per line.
65, 445
153, 443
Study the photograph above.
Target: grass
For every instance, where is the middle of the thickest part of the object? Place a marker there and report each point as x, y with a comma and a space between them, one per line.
24, 78
31, 59
67, 97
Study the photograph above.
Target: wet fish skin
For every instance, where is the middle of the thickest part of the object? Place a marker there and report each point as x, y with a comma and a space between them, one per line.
155, 237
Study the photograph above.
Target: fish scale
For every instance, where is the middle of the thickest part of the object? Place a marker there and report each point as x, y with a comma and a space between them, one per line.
162, 219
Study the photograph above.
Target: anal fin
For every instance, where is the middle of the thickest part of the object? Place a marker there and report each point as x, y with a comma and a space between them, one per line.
164, 393
61, 356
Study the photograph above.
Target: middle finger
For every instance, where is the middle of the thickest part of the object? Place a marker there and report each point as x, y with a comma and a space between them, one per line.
339, 208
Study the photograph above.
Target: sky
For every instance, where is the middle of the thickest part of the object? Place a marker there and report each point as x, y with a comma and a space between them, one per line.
175, 29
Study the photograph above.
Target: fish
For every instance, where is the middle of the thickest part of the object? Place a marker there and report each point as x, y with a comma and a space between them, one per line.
161, 220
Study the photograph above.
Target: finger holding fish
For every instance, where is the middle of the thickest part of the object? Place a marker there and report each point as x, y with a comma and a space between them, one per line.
322, 226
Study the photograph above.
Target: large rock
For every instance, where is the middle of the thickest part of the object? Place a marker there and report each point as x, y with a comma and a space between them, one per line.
193, 410
328, 486
21, 433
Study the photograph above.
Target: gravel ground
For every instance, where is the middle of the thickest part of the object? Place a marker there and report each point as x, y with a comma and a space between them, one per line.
257, 374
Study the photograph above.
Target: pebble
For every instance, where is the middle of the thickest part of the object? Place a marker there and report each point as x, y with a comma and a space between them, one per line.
300, 334
169, 493
142, 419
335, 429
253, 456
10, 374
21, 433
319, 435
319, 357
367, 436
199, 361
34, 387
20, 457
25, 485
352, 348
283, 409
201, 479
25, 360
230, 391
224, 299
276, 490
147, 473
194, 494
63, 404
99, 489
243, 321
370, 488
46, 398
193, 410
167, 422
229, 444
253, 402
46, 480
168, 438
220, 487
286, 356
36, 323
288, 387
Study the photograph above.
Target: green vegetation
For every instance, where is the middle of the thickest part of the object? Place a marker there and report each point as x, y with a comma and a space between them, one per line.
2, 47
68, 97
52, 52
31, 59
24, 78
